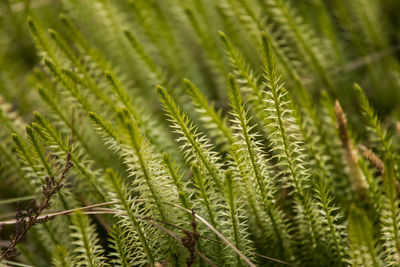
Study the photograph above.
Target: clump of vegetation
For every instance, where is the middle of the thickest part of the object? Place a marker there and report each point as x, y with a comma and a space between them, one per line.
199, 133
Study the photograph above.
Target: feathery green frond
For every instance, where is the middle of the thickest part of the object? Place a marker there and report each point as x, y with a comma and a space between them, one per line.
132, 240
361, 240
87, 250
195, 147
213, 120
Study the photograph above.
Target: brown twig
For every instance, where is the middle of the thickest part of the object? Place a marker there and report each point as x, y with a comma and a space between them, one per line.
25, 220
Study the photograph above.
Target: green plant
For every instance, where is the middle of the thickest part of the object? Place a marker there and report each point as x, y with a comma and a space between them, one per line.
200, 133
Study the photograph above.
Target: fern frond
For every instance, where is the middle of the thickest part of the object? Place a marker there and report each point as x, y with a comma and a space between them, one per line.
239, 226
361, 240
146, 123
150, 181
65, 119
78, 37
135, 237
60, 76
247, 78
107, 132
195, 147
207, 202
11, 167
378, 135
211, 49
283, 143
153, 21
143, 163
87, 250
54, 139
246, 75
32, 169
390, 218
156, 73
337, 235
71, 55
44, 161
40, 38
250, 21
213, 120
286, 56
367, 14
305, 39
180, 185
39, 150
121, 251
203, 161
287, 145
259, 170
62, 258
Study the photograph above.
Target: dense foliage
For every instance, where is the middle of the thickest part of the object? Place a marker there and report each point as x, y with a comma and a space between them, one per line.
199, 133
